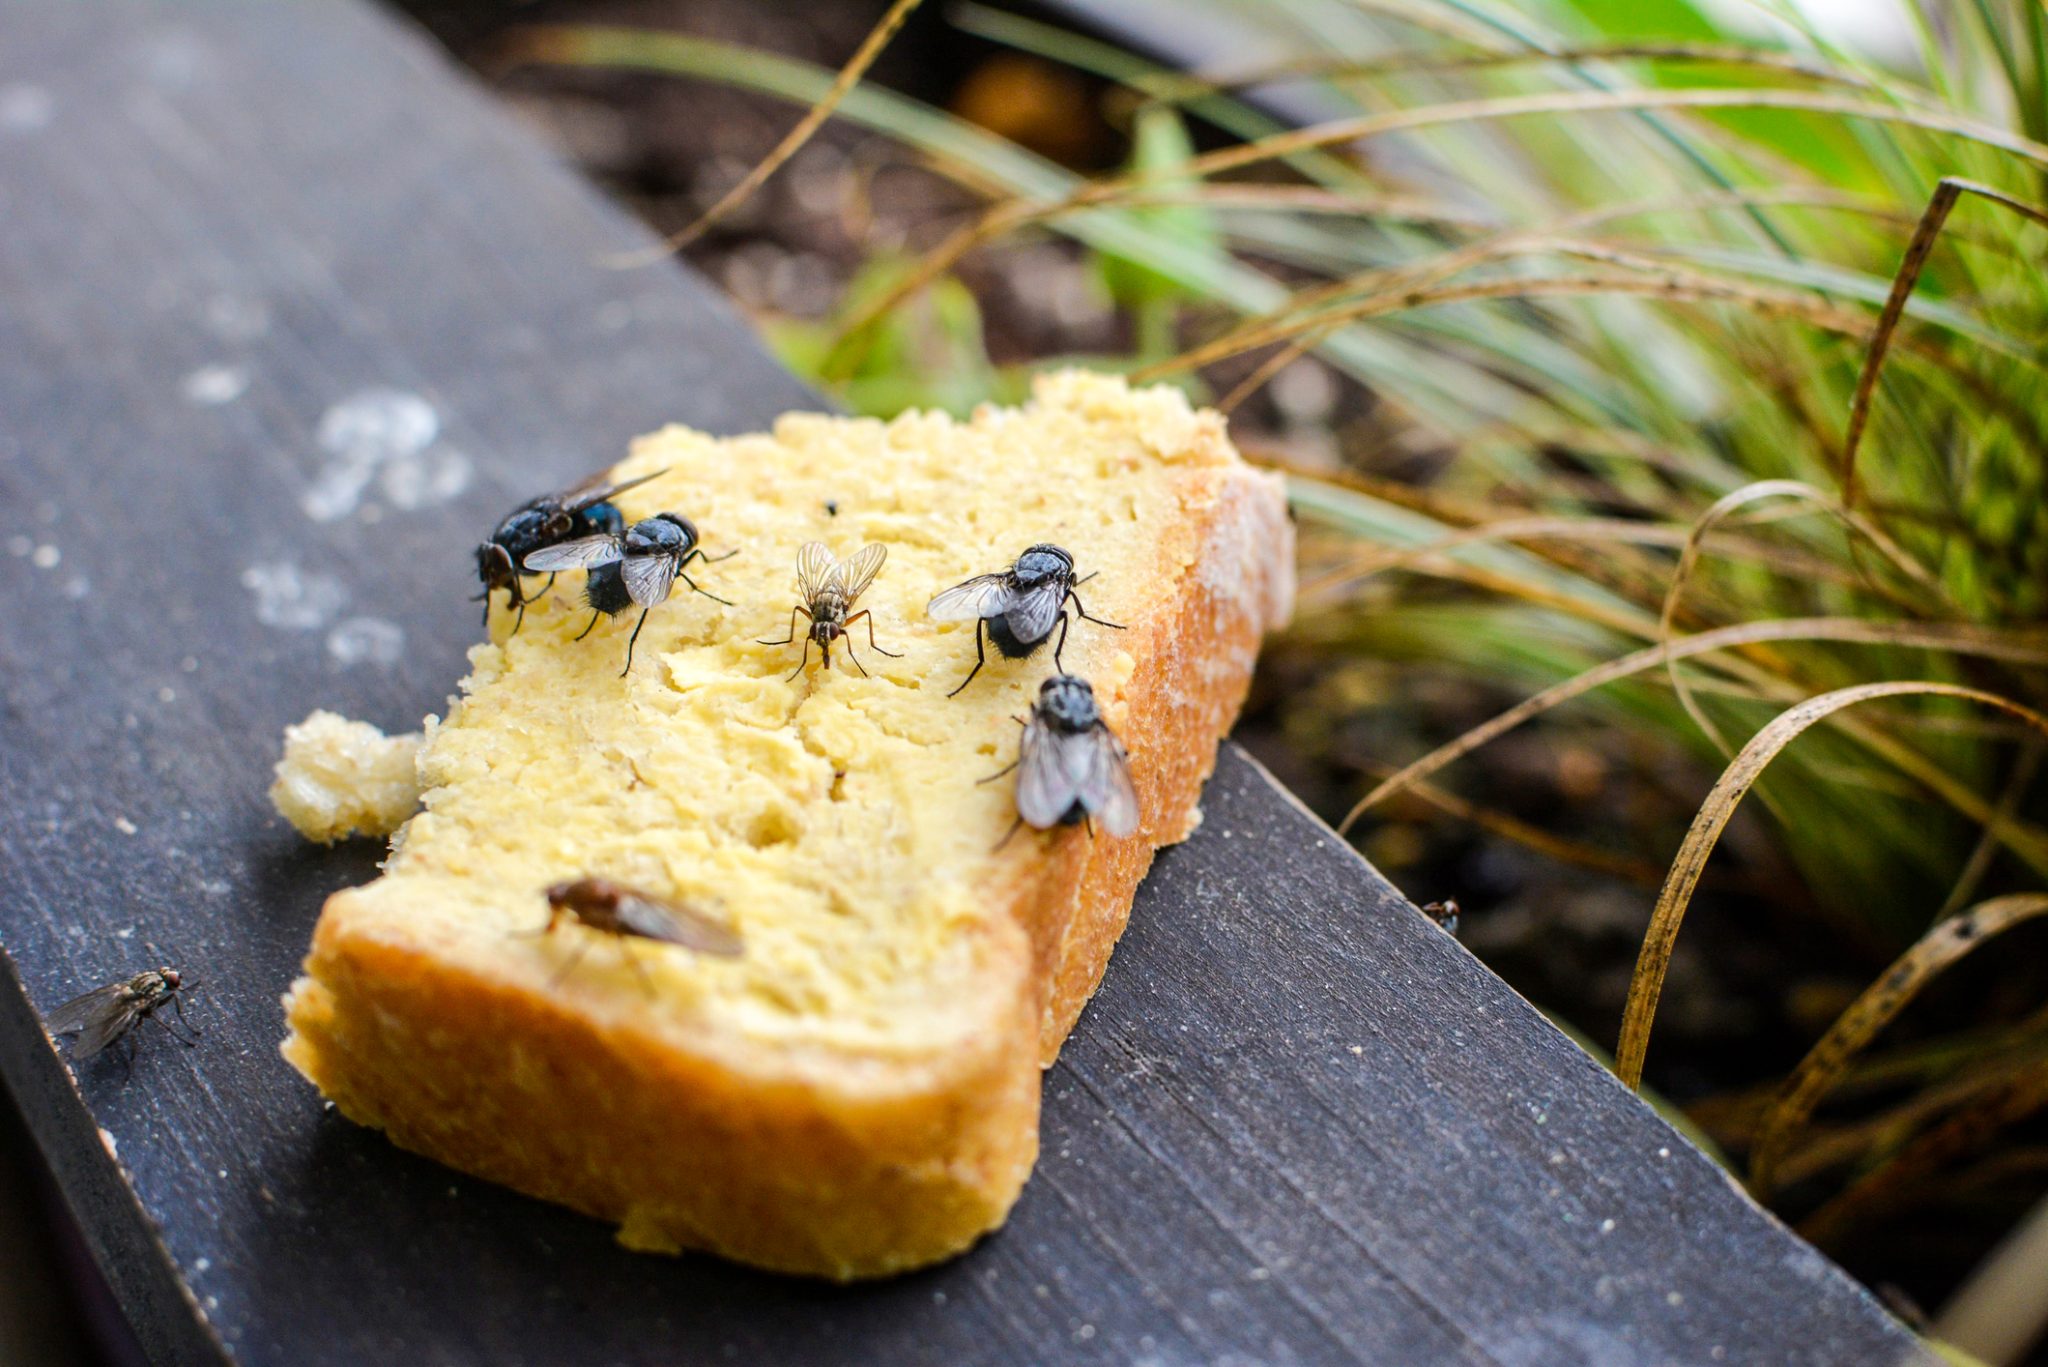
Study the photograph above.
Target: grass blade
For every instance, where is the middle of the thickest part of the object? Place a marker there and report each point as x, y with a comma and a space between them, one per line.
814, 118
1939, 206
1879, 1005
1655, 959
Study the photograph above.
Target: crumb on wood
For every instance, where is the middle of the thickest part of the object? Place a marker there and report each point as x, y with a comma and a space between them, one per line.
341, 778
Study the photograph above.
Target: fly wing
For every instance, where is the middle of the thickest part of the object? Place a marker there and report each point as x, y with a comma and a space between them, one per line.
649, 578
98, 1018
985, 595
857, 573
117, 1020
74, 1015
674, 924
1104, 780
584, 553
1033, 612
814, 570
595, 490
1045, 783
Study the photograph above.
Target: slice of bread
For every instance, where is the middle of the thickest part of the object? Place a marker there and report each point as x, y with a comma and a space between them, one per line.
857, 1092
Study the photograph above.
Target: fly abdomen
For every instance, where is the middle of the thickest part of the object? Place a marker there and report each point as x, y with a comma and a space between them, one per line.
606, 591
1006, 640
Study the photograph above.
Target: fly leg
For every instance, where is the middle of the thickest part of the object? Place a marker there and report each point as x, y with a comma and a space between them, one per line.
1012, 764
806, 657
639, 969
592, 627
178, 1005
792, 627
519, 592
1083, 609
633, 638
167, 1028
709, 560
892, 654
582, 948
980, 654
708, 594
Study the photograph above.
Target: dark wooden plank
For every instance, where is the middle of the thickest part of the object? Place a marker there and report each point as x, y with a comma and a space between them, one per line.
1299, 1124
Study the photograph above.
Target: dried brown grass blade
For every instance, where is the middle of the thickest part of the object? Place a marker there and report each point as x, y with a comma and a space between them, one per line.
2025, 766
1728, 791
2024, 1095
1412, 62
1632, 531
1501, 529
1933, 120
1268, 368
1688, 561
814, 118
1934, 636
1946, 192
1870, 1013
1668, 283
1574, 852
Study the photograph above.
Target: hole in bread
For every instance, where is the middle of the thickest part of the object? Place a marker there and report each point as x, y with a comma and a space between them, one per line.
839, 785
771, 826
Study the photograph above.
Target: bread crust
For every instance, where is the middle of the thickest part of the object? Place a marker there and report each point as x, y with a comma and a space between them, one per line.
828, 1166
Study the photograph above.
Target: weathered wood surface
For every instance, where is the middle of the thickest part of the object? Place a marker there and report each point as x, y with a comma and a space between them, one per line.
1298, 1125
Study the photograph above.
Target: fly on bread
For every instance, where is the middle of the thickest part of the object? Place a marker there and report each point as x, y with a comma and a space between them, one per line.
854, 1092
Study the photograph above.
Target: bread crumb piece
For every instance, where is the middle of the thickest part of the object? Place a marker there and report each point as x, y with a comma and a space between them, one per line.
340, 778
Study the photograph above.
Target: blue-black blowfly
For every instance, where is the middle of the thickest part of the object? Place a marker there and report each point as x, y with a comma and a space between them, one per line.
1017, 607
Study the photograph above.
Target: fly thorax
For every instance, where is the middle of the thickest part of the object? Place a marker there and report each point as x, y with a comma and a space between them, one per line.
1040, 564
1068, 704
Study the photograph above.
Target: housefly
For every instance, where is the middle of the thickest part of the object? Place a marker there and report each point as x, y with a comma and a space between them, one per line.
828, 589
106, 1015
1017, 607
585, 510
1445, 914
619, 911
633, 568
1071, 767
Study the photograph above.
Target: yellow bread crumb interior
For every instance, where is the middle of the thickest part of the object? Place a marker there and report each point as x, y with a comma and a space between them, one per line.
340, 778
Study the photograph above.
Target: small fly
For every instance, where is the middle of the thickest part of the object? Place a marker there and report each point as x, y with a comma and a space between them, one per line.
585, 510
1072, 768
105, 1016
619, 911
634, 568
1446, 914
1017, 607
828, 589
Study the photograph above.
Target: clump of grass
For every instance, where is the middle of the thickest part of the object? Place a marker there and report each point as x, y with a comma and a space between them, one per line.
1732, 354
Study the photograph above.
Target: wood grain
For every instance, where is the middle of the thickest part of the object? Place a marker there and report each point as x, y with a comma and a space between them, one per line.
1298, 1124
